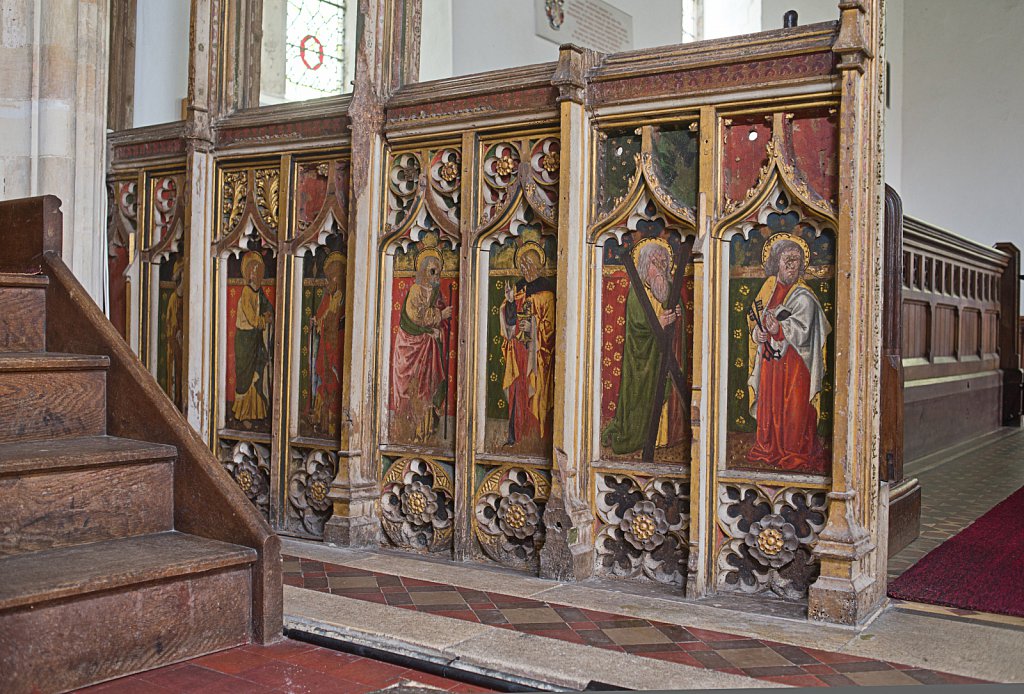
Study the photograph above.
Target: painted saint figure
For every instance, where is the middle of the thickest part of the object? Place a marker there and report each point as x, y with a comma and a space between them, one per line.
419, 387
527, 317
787, 340
174, 336
651, 311
325, 357
254, 324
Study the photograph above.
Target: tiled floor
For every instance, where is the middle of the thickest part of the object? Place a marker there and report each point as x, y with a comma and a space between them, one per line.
289, 666
956, 490
700, 648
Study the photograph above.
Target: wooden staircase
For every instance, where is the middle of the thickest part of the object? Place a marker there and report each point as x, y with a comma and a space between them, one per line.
123, 544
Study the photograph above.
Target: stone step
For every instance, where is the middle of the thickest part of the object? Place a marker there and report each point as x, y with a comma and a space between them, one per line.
76, 490
23, 312
51, 395
63, 612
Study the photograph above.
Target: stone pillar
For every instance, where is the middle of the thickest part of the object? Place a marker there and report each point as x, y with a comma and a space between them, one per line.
568, 552
852, 546
53, 97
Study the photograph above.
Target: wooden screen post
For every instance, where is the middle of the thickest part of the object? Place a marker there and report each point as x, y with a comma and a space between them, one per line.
1010, 337
851, 547
568, 553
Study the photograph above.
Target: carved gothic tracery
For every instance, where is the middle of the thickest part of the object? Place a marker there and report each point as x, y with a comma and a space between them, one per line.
645, 527
770, 534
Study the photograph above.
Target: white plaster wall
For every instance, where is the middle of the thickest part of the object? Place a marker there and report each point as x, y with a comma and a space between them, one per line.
894, 47
731, 18
963, 102
436, 40
809, 11
161, 60
493, 34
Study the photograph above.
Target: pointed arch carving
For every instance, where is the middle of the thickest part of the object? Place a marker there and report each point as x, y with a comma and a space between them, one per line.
778, 167
168, 210
249, 209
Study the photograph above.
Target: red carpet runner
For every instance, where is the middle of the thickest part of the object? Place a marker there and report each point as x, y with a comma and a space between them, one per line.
981, 568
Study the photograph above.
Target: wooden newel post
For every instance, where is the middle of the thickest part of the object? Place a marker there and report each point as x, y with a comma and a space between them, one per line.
1010, 337
23, 248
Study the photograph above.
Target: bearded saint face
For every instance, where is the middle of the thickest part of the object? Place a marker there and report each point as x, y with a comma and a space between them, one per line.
430, 273
656, 273
255, 276
530, 267
791, 265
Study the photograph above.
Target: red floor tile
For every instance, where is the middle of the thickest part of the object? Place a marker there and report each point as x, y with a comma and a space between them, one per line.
231, 662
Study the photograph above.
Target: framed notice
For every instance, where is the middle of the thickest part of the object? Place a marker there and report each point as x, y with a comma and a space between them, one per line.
587, 23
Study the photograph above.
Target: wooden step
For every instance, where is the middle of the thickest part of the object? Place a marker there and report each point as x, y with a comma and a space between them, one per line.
76, 490
50, 395
23, 313
80, 615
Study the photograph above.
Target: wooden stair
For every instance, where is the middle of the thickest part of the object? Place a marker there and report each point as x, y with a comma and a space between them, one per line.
107, 565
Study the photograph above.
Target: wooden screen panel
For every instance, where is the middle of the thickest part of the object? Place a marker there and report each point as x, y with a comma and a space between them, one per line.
915, 330
970, 332
944, 332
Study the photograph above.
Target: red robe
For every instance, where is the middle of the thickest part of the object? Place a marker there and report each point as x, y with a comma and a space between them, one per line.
787, 421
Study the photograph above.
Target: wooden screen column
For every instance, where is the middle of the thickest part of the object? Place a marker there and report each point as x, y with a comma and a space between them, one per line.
1010, 337
200, 109
354, 489
852, 545
568, 552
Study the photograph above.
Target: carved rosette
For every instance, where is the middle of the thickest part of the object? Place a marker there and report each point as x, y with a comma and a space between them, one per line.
644, 527
500, 171
769, 538
417, 504
308, 485
249, 465
545, 168
445, 178
507, 513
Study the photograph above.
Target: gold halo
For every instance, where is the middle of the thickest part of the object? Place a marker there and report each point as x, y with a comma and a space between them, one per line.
430, 252
655, 240
531, 246
767, 251
247, 261
334, 258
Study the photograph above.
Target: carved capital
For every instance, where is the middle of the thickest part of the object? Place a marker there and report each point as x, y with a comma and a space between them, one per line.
852, 44
571, 73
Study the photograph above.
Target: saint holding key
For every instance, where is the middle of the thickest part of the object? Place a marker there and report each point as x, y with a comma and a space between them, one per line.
788, 329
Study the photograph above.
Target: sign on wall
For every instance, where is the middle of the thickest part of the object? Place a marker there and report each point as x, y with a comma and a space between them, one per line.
588, 23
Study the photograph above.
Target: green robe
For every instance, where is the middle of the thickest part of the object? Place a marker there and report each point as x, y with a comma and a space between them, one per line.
251, 353
641, 359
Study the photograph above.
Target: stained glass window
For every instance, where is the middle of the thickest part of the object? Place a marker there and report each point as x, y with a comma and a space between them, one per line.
308, 50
